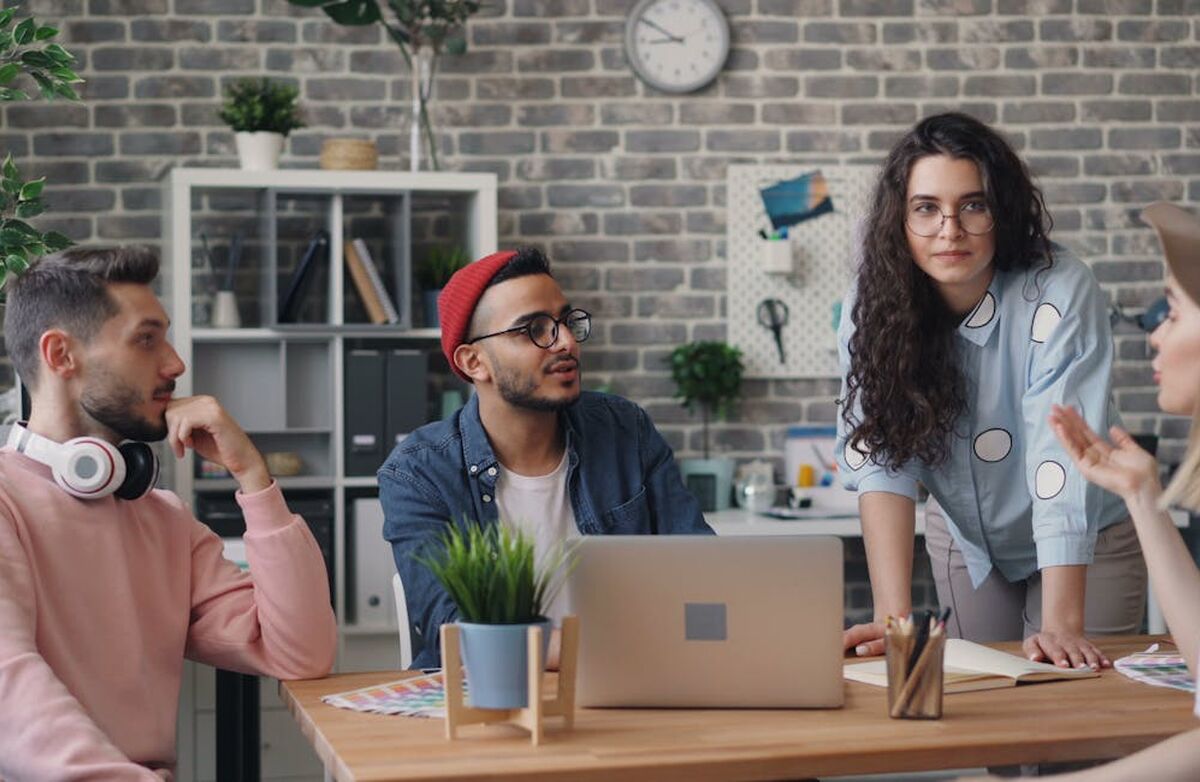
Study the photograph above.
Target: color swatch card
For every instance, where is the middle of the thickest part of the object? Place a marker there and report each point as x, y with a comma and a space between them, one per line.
1157, 669
419, 696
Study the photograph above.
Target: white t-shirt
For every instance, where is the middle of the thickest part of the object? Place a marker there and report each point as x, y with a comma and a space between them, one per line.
540, 507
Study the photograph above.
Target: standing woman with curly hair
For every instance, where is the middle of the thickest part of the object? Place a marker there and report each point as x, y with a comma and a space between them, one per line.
965, 326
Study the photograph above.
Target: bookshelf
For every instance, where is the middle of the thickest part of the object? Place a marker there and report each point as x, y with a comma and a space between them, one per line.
286, 383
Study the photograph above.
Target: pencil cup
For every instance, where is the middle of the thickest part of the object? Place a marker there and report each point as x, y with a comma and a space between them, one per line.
225, 311
777, 256
916, 693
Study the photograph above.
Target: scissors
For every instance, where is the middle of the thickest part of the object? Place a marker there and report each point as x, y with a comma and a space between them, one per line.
773, 315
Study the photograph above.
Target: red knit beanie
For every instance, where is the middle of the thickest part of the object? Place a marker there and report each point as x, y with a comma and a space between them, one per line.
456, 304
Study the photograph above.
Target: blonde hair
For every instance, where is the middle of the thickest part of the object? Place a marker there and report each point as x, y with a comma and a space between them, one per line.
1184, 489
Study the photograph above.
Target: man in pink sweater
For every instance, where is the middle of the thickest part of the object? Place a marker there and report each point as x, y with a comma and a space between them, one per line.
102, 599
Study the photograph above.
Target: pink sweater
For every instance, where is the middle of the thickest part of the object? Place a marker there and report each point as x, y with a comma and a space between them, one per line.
101, 600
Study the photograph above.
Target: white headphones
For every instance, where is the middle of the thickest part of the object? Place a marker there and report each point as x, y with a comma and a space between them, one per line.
89, 467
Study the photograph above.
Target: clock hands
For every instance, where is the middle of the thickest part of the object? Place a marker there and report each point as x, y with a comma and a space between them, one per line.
671, 37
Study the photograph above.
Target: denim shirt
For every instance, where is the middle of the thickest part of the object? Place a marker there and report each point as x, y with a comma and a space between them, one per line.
1014, 498
621, 479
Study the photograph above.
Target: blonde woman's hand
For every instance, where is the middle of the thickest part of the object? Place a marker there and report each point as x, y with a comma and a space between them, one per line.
1121, 466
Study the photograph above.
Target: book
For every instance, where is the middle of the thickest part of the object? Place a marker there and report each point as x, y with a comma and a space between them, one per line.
362, 282
970, 666
389, 309
290, 302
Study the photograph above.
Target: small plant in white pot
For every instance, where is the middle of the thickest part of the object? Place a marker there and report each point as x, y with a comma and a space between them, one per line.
261, 113
500, 588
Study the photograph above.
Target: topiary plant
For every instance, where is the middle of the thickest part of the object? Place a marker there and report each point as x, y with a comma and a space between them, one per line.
50, 67
253, 105
708, 374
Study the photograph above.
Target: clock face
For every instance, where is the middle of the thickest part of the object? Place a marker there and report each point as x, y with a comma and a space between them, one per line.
677, 45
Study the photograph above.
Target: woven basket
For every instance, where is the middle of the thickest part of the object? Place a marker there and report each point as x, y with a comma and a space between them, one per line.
349, 154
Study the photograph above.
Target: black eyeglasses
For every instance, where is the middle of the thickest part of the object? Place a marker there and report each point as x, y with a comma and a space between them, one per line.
925, 219
542, 330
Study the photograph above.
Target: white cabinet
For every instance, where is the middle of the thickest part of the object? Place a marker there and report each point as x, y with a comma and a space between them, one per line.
285, 382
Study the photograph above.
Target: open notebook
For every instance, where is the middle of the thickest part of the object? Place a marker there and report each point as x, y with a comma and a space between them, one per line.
970, 666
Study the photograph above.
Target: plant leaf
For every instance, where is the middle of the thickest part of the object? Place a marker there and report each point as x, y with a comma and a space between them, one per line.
353, 12
16, 263
27, 209
24, 32
32, 189
56, 241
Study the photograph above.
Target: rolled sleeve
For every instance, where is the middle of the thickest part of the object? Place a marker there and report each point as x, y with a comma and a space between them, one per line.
1070, 365
1064, 549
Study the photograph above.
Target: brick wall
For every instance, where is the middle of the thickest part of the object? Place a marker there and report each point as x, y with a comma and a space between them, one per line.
624, 186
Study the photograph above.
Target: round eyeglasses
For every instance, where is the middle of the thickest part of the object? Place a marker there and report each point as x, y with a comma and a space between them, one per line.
925, 219
542, 330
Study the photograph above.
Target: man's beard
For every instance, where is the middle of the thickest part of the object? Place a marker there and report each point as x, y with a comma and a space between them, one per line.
520, 391
112, 402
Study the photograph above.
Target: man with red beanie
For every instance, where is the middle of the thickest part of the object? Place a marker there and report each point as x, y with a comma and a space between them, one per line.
530, 450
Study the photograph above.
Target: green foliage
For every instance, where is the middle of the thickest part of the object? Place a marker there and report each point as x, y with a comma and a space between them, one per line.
437, 26
492, 575
261, 105
23, 51
439, 265
708, 374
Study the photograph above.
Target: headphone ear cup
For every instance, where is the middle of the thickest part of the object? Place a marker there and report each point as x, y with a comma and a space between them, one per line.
87, 467
141, 470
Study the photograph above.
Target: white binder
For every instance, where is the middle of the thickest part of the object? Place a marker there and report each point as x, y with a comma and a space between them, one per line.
374, 602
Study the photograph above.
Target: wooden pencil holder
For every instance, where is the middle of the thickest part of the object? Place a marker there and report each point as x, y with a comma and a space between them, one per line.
539, 707
915, 694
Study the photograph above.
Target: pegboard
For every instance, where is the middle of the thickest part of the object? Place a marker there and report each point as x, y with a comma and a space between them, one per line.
823, 251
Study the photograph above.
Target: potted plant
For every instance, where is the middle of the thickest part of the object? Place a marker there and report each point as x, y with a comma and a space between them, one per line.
493, 576
261, 113
433, 272
708, 375
26, 50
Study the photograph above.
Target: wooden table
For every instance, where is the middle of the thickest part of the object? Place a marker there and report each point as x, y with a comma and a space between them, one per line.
1057, 721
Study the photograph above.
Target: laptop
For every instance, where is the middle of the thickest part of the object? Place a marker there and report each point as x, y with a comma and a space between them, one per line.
708, 622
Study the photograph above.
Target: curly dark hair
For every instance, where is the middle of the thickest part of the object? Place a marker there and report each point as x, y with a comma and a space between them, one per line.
904, 371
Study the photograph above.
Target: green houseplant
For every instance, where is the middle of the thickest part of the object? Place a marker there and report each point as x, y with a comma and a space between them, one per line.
493, 576
261, 113
433, 272
707, 375
423, 30
23, 50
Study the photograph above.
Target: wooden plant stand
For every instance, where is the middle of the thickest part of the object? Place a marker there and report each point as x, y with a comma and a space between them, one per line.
458, 713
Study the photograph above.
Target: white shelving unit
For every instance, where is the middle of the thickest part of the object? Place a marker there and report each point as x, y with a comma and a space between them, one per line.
285, 382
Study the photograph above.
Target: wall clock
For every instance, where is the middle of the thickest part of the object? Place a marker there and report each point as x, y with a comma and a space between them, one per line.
677, 45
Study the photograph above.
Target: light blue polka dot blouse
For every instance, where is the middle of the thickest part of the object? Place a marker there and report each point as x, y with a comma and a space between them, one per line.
1013, 497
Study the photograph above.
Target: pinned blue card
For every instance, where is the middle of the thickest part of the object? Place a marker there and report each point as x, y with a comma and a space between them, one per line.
793, 201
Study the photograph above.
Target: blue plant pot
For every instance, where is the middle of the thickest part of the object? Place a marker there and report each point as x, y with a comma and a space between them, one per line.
711, 480
497, 666
429, 300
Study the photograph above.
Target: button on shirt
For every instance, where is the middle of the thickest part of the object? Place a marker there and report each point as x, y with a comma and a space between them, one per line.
1037, 337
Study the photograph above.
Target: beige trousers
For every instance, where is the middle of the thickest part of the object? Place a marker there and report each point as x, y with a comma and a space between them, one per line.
999, 610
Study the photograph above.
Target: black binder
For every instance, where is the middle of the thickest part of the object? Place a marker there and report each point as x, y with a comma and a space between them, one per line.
365, 447
407, 395
291, 301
